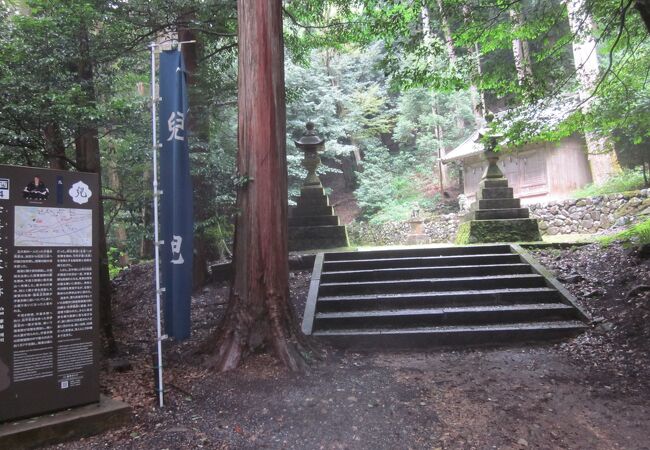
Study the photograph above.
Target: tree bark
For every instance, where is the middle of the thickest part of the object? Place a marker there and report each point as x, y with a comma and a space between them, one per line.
259, 313
600, 149
446, 30
88, 160
115, 185
643, 6
54, 146
521, 50
477, 97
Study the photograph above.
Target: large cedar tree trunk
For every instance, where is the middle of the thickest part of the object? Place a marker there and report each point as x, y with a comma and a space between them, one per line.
643, 6
259, 313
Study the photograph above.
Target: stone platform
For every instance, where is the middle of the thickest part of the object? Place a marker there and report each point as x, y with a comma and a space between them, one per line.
66, 425
313, 224
497, 216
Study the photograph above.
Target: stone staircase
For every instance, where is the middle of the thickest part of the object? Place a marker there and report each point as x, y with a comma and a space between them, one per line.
437, 296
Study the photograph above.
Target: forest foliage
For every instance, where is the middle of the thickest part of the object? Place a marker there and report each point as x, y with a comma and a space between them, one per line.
376, 78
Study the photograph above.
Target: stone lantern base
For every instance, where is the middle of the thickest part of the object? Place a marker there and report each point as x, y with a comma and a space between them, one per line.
313, 224
497, 216
417, 235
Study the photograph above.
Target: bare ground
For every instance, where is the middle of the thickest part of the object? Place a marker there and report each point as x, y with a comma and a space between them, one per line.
590, 392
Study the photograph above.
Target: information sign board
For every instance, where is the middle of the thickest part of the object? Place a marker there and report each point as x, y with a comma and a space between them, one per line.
49, 287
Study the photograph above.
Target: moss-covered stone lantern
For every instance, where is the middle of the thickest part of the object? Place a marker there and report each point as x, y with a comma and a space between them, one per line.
496, 216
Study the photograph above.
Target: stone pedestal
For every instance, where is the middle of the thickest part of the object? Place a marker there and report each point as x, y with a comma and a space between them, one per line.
313, 224
416, 235
497, 216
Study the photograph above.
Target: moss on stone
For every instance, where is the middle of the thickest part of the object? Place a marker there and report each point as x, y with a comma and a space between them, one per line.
503, 230
462, 236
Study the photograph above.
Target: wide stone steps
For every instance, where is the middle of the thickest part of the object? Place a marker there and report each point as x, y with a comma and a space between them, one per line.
426, 261
459, 315
484, 297
408, 337
410, 273
428, 296
433, 284
421, 252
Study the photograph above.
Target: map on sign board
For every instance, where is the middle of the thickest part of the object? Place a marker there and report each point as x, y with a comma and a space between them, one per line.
52, 227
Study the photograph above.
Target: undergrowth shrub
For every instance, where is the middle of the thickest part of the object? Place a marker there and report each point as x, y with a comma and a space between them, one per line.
628, 180
638, 234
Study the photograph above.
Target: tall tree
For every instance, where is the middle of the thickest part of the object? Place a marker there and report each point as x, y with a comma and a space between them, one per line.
602, 159
520, 48
259, 313
89, 160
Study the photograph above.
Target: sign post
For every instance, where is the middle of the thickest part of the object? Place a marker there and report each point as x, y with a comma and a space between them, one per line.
176, 203
177, 214
49, 290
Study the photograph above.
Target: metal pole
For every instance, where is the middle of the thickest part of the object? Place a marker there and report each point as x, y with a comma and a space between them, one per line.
156, 195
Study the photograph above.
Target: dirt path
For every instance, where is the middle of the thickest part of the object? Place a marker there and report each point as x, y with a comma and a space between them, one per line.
498, 398
587, 393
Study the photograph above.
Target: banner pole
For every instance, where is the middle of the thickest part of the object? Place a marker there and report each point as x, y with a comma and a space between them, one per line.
156, 195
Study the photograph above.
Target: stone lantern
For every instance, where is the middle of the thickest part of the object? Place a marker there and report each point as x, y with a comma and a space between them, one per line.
496, 216
492, 172
312, 222
310, 143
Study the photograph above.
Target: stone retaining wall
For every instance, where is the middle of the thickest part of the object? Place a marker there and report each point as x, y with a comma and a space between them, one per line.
440, 229
591, 215
583, 216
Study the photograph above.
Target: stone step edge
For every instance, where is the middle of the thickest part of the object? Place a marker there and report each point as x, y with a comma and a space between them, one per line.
422, 258
532, 276
444, 311
425, 294
504, 249
421, 268
451, 329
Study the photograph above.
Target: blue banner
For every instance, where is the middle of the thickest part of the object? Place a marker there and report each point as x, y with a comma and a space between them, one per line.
176, 205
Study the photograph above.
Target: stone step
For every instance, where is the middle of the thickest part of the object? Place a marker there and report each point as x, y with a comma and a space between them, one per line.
432, 284
420, 252
502, 183
317, 237
494, 214
390, 337
313, 221
412, 273
499, 203
309, 211
499, 192
424, 317
423, 261
438, 299
313, 202
312, 191
436, 296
